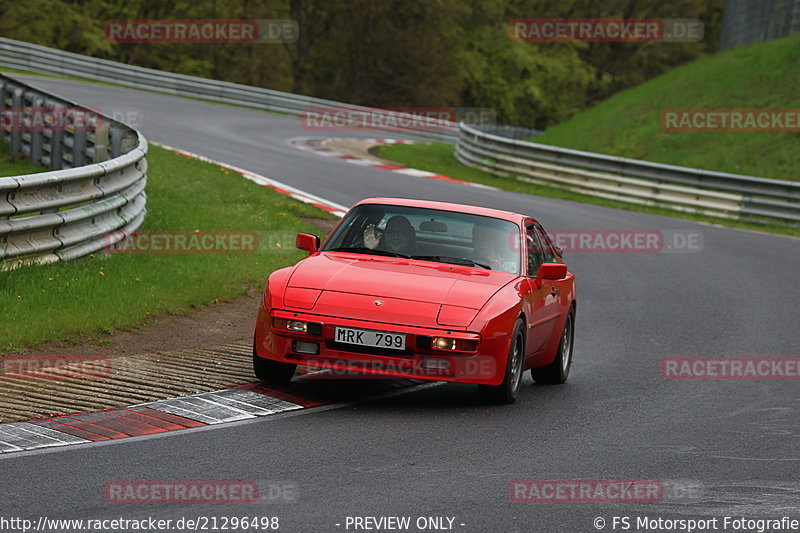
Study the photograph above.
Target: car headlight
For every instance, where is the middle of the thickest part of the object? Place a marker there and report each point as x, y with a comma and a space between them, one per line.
453, 345
297, 325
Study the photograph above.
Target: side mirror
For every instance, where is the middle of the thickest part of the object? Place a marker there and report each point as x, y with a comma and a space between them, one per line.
307, 242
551, 271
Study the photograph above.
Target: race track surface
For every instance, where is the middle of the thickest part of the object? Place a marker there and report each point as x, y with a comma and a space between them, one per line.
719, 447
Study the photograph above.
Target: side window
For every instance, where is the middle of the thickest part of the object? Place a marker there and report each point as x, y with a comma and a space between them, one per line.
547, 251
535, 255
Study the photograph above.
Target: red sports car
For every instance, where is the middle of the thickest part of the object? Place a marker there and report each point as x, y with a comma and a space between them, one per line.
425, 290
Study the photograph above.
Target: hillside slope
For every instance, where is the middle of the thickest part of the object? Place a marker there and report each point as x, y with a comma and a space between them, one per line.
760, 76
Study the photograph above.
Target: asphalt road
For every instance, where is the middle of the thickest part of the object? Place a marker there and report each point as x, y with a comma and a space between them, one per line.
721, 448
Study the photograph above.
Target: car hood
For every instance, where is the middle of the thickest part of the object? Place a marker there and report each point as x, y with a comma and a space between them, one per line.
427, 284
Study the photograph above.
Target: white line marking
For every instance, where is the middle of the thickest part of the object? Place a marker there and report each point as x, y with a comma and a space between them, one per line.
415, 172
250, 402
6, 447
363, 162
180, 407
27, 436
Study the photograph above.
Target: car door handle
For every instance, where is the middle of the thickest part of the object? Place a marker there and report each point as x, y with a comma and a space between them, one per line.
555, 291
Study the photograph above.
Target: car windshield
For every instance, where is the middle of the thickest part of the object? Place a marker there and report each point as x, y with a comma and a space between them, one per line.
429, 235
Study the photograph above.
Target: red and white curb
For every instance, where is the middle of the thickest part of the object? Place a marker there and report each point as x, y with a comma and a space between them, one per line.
208, 408
326, 205
204, 409
317, 145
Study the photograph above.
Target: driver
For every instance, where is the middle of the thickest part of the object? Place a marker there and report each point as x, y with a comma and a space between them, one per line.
398, 237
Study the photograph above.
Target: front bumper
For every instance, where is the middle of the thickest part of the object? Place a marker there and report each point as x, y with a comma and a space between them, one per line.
417, 361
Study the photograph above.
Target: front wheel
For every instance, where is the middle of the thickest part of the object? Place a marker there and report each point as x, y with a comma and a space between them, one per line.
557, 372
508, 390
272, 372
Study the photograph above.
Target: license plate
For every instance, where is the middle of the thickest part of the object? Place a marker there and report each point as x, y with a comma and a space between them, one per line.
374, 339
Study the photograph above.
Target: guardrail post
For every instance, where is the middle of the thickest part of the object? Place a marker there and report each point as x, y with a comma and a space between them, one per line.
78, 146
3, 117
16, 127
116, 141
100, 139
57, 148
129, 142
37, 129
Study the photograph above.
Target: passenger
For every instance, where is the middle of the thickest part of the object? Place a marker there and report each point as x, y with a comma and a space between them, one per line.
486, 242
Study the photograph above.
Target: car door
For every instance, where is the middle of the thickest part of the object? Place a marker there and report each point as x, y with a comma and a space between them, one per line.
554, 299
541, 298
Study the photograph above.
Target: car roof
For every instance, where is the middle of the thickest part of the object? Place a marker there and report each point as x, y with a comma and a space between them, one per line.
447, 206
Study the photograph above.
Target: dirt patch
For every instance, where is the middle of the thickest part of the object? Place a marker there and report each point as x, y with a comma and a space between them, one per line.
210, 325
363, 148
325, 225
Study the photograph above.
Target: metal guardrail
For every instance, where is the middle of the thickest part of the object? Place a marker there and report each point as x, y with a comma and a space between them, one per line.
487, 147
99, 187
746, 21
511, 132
36, 58
630, 180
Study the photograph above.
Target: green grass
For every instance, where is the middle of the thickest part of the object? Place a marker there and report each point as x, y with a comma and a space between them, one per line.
6, 70
759, 76
16, 165
438, 157
91, 296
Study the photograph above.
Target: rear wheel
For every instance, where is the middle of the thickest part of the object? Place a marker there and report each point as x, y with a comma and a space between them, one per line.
272, 372
508, 390
557, 372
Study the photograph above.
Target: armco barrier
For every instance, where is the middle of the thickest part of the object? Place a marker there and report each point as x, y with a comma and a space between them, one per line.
36, 58
629, 180
98, 187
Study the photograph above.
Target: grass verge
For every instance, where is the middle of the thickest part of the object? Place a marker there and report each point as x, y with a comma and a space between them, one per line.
88, 297
439, 158
16, 165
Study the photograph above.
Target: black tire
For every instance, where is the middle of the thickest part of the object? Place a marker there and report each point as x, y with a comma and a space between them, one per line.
508, 390
557, 372
272, 372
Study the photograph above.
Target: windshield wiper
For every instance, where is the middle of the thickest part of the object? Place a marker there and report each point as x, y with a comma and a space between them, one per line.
453, 260
365, 250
